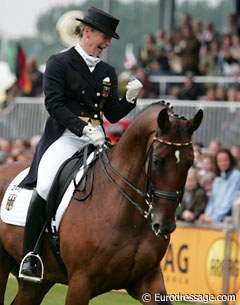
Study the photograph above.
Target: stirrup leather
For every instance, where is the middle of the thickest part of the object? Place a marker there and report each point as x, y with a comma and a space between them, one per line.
35, 279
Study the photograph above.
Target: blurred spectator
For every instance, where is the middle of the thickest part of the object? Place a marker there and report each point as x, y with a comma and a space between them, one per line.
214, 147
3, 157
160, 40
208, 33
210, 94
21, 150
153, 68
227, 64
190, 89
124, 77
15, 150
225, 187
209, 59
220, 93
147, 51
235, 151
188, 50
206, 182
232, 25
232, 94
185, 20
197, 30
174, 62
5, 146
197, 152
149, 90
194, 198
235, 47
162, 59
207, 165
168, 42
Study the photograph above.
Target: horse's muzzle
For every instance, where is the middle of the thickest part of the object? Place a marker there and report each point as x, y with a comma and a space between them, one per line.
163, 229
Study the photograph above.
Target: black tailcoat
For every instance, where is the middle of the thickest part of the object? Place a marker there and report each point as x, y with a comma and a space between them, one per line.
72, 90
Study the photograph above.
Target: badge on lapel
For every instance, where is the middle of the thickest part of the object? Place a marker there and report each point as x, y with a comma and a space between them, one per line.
106, 87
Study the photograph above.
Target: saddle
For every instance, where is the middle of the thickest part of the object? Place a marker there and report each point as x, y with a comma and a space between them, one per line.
67, 173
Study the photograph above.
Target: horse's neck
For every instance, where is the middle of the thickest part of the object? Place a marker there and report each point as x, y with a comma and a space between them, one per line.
130, 154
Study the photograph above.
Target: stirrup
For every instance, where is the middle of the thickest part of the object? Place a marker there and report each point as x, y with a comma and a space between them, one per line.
34, 279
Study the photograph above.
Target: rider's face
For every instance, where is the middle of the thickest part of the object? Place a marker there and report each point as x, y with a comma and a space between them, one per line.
94, 41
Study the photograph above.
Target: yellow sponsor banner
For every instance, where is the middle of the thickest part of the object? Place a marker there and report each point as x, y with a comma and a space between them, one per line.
202, 261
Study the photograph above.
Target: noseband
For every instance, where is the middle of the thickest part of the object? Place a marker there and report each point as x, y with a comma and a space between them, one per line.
150, 192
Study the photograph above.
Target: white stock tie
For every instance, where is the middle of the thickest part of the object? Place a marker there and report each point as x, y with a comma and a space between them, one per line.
91, 61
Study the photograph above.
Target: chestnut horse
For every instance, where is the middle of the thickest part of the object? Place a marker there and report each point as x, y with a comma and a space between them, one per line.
118, 236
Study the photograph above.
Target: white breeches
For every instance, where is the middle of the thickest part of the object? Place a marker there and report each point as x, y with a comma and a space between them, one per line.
62, 149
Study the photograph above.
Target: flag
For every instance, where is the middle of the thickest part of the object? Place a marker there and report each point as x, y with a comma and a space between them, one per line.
130, 59
21, 71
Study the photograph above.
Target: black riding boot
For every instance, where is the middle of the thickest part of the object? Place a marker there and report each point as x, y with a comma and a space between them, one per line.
36, 218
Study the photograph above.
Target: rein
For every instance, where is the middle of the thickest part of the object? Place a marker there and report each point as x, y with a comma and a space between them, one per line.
150, 192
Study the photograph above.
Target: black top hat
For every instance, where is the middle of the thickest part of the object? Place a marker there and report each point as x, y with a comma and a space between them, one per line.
101, 21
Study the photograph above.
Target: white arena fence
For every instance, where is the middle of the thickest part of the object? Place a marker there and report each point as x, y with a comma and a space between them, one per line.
25, 117
167, 81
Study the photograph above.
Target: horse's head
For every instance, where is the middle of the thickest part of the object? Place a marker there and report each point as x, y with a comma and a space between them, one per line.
151, 162
169, 157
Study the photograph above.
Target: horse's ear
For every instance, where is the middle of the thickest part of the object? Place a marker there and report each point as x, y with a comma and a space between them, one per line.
196, 121
163, 119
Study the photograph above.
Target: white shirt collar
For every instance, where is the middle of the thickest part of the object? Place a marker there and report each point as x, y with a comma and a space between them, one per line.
91, 61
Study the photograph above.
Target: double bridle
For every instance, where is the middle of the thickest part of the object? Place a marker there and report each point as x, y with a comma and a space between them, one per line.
150, 192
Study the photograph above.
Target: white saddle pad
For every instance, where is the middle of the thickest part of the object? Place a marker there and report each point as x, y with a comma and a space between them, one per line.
16, 200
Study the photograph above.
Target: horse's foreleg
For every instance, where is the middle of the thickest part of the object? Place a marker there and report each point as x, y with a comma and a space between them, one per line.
3, 283
151, 289
78, 291
5, 266
31, 293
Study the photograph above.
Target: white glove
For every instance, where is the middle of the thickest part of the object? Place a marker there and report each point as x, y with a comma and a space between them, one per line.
95, 134
133, 88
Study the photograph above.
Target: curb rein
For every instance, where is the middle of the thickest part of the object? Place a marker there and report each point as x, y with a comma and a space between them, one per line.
150, 192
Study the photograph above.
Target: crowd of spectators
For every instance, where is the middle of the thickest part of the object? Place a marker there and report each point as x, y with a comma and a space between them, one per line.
212, 184
20, 149
193, 49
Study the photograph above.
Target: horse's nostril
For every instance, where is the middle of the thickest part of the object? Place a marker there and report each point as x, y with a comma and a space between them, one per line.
156, 228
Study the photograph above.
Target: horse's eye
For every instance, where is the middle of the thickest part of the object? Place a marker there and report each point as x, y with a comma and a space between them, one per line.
158, 162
